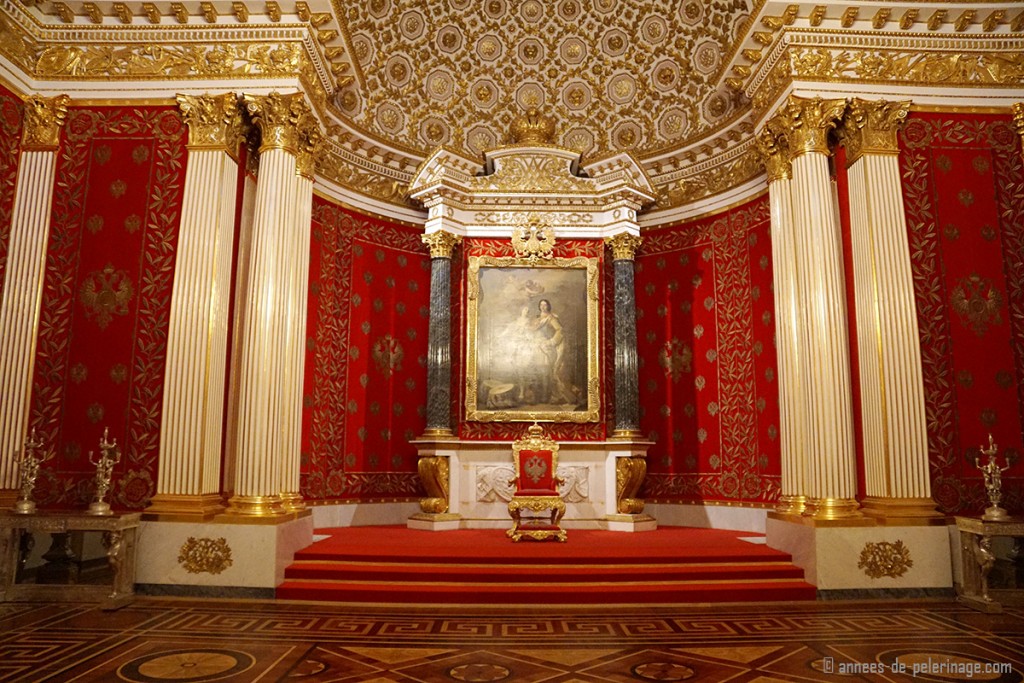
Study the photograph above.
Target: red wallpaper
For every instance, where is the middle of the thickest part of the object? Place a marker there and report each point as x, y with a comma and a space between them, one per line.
708, 391
10, 144
505, 431
366, 374
963, 184
106, 301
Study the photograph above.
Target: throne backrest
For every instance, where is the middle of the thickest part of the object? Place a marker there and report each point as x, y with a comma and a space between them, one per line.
536, 461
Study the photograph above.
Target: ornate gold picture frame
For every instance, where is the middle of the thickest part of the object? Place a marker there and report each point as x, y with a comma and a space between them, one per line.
532, 340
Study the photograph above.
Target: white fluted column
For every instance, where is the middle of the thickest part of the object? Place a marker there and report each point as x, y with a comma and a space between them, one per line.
191, 431
789, 343
309, 142
893, 419
263, 368
825, 368
23, 277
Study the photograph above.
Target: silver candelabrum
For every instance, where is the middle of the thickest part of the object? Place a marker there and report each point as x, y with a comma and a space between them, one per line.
28, 469
993, 481
110, 455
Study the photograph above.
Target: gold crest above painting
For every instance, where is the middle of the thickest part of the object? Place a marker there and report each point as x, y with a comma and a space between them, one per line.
532, 340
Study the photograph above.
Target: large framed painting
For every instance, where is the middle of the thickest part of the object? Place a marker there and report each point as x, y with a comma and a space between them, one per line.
532, 340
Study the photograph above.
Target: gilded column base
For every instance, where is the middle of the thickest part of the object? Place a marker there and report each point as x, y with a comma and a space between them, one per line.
255, 506
437, 434
292, 502
165, 505
791, 505
833, 508
902, 510
627, 435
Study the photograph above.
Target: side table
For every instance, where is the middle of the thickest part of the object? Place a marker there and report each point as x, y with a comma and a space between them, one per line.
978, 559
118, 539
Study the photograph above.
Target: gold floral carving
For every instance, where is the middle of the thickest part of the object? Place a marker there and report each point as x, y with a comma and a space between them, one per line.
214, 121
807, 122
44, 118
311, 146
534, 173
533, 241
441, 243
623, 245
433, 472
629, 476
871, 125
533, 129
961, 67
885, 559
773, 154
105, 294
278, 117
205, 555
712, 181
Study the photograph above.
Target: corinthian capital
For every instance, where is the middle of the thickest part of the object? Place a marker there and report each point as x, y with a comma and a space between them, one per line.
441, 243
806, 123
871, 126
311, 142
214, 121
278, 117
774, 156
624, 246
44, 117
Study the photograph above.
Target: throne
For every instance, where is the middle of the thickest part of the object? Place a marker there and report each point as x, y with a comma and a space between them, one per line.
535, 488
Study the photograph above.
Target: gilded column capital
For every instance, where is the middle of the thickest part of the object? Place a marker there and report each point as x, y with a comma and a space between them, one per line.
1018, 122
806, 123
43, 119
870, 127
774, 156
624, 245
278, 116
214, 121
441, 243
311, 143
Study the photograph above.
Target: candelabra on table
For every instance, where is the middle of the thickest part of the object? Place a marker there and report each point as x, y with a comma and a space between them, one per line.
28, 470
110, 455
993, 474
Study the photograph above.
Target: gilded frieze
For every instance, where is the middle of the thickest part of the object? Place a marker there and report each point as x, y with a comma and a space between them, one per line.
968, 67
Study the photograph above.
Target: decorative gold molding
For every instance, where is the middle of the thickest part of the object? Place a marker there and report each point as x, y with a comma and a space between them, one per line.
885, 559
623, 245
833, 508
311, 145
44, 118
807, 122
629, 476
774, 155
433, 471
1018, 123
278, 117
441, 243
205, 555
214, 121
871, 126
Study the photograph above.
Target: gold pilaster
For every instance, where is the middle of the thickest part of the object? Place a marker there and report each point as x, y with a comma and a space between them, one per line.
214, 121
871, 127
278, 117
1018, 123
43, 119
441, 243
807, 123
624, 245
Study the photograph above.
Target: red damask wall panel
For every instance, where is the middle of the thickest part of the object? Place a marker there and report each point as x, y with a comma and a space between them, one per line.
708, 390
102, 340
366, 375
963, 184
10, 141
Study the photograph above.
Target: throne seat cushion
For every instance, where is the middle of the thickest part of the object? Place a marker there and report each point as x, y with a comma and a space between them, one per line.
535, 493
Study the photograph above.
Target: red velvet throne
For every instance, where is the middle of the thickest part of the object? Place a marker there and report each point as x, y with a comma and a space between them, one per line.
536, 488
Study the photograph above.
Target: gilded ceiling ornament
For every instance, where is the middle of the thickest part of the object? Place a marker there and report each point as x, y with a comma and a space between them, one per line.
623, 245
105, 294
44, 118
871, 125
278, 116
977, 301
532, 129
533, 241
214, 121
441, 243
205, 555
885, 559
807, 122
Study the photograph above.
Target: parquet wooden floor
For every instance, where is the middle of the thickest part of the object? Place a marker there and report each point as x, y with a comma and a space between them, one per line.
164, 639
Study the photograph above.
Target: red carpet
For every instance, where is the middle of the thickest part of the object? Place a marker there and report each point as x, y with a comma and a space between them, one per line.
673, 565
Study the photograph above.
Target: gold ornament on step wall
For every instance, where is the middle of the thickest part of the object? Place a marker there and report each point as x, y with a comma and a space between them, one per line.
205, 555
885, 559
